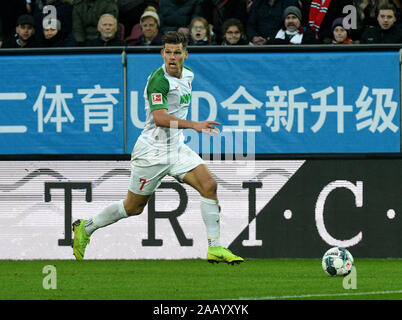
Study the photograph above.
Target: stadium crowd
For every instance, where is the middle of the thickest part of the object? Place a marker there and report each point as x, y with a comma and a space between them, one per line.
84, 23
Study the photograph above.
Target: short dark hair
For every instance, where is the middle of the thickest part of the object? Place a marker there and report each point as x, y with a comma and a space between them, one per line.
174, 37
386, 6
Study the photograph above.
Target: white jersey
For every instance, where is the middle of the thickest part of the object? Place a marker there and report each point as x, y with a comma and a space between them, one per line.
166, 92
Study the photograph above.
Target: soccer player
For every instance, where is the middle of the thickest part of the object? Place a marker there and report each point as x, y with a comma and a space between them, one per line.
160, 151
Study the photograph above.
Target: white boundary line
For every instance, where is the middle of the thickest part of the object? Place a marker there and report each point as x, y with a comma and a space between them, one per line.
323, 295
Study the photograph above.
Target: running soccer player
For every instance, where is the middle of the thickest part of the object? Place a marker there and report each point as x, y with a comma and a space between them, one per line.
160, 151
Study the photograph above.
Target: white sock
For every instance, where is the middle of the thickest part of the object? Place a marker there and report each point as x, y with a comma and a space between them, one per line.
111, 214
210, 214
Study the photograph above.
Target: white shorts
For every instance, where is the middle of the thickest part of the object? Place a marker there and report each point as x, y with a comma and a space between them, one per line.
149, 165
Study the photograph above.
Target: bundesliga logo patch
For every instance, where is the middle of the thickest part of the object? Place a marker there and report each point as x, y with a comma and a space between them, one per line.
156, 98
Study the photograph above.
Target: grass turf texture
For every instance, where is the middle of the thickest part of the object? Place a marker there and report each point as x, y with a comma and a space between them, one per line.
197, 280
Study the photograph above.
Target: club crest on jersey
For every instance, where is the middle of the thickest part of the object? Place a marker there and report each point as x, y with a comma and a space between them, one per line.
156, 98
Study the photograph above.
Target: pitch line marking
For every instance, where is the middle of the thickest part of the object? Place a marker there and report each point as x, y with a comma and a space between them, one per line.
323, 295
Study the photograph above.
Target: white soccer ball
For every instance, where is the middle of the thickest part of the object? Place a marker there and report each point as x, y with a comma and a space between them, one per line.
337, 262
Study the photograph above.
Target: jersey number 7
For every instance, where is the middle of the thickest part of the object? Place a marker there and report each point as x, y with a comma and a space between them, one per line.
142, 181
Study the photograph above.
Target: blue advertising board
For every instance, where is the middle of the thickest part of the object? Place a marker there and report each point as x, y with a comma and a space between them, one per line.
272, 103
267, 103
61, 104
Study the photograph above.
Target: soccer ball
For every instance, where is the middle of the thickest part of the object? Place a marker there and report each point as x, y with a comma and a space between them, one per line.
337, 262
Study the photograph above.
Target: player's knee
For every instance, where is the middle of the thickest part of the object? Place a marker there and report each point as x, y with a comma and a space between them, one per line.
134, 210
209, 188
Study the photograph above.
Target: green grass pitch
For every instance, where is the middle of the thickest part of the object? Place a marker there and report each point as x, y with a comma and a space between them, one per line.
197, 280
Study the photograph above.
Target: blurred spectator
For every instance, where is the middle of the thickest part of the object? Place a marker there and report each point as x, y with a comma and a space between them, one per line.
319, 15
292, 31
218, 11
150, 35
176, 15
130, 12
53, 35
24, 37
387, 30
265, 19
398, 6
86, 14
64, 13
28, 5
340, 35
10, 10
200, 34
1, 34
233, 33
107, 33
367, 11
249, 3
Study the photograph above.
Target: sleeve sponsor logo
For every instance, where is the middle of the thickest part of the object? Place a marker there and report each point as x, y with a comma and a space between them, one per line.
157, 98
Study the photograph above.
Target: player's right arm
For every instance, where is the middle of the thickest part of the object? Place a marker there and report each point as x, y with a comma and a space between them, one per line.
163, 119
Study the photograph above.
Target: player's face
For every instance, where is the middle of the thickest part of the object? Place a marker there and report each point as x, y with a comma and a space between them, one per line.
386, 19
174, 56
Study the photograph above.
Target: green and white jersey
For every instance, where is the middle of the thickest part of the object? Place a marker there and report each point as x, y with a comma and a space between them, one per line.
166, 92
